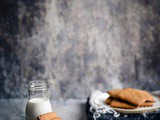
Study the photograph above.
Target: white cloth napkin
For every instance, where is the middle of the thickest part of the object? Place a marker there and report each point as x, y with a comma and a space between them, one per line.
98, 107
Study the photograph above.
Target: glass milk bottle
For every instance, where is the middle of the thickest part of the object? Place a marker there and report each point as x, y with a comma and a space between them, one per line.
38, 100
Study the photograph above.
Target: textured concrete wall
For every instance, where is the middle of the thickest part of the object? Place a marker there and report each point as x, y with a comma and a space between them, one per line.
79, 45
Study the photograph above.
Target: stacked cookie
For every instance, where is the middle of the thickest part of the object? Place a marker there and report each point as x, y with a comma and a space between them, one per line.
129, 98
49, 116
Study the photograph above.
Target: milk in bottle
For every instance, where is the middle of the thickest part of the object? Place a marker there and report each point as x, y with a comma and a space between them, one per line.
38, 101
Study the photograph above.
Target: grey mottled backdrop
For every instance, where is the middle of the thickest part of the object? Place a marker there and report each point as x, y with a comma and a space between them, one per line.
79, 45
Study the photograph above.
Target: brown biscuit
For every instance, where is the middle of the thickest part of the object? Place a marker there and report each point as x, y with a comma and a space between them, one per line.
147, 104
108, 100
150, 97
48, 116
132, 96
121, 104
113, 93
58, 118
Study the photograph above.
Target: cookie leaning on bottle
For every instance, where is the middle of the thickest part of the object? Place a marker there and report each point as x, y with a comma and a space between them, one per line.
49, 116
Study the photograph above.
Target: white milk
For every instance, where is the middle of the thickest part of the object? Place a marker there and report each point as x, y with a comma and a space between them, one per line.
36, 107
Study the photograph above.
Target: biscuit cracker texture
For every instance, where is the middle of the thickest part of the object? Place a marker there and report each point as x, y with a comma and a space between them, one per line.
108, 100
150, 97
49, 116
132, 96
147, 104
58, 118
120, 104
113, 93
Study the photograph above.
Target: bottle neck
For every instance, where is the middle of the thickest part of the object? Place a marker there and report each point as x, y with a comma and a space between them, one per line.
38, 89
